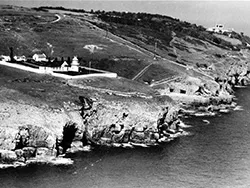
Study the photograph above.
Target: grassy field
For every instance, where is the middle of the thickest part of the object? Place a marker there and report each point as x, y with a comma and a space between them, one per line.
46, 89
125, 46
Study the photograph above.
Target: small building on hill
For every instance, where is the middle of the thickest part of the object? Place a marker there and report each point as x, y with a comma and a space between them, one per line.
39, 57
20, 58
219, 28
65, 64
5, 57
63, 67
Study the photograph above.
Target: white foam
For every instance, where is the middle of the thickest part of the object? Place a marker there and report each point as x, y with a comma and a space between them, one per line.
51, 160
224, 110
206, 121
239, 86
140, 145
127, 145
3, 166
238, 108
183, 125
185, 133
199, 114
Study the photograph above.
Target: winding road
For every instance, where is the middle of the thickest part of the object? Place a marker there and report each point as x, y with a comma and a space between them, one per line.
58, 18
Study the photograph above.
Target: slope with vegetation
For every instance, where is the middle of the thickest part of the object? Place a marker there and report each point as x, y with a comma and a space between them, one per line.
157, 59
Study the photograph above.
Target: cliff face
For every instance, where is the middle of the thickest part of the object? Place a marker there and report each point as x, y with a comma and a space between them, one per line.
34, 126
135, 121
212, 73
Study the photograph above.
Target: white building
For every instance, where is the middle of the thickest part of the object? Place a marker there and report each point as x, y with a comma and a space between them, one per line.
219, 28
5, 57
20, 58
65, 64
74, 64
63, 68
39, 57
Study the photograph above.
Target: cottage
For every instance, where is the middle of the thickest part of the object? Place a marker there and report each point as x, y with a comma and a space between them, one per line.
63, 67
39, 57
20, 58
219, 28
65, 64
5, 57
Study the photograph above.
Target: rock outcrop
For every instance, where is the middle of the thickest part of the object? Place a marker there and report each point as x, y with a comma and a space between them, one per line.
117, 123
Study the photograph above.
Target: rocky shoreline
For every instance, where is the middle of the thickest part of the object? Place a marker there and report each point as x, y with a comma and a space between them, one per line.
43, 118
113, 125
103, 124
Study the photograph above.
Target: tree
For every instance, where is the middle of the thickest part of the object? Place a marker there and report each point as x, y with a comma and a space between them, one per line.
68, 61
11, 55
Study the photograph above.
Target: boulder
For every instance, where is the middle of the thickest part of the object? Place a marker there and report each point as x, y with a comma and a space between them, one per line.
8, 156
7, 137
76, 144
29, 152
40, 137
137, 137
42, 151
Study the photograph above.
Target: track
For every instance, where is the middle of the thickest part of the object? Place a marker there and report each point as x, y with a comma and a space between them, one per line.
58, 18
142, 71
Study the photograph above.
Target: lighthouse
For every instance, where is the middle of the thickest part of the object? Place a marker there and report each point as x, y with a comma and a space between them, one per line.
75, 64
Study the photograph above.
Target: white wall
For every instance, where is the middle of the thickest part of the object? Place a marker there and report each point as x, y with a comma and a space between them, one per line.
49, 70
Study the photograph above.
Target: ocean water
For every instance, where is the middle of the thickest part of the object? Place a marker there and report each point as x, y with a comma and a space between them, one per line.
215, 153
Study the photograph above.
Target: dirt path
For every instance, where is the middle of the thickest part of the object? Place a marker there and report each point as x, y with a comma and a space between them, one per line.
142, 71
164, 81
58, 18
110, 91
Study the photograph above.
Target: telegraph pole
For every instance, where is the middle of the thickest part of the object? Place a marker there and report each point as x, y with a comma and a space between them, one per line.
155, 50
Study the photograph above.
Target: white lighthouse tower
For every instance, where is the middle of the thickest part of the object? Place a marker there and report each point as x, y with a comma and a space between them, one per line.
75, 64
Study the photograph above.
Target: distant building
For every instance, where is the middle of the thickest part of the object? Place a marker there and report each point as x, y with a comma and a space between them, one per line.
219, 28
20, 58
39, 57
5, 57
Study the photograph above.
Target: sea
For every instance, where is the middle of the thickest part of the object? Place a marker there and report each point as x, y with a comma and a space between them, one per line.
214, 153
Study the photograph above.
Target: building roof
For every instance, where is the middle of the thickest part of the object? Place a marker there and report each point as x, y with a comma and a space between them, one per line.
64, 64
75, 62
41, 55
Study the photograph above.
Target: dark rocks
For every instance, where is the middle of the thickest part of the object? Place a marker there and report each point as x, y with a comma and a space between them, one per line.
33, 136
29, 152
22, 138
43, 151
69, 131
121, 133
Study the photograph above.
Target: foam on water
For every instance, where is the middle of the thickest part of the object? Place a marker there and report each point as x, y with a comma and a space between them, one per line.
183, 125
206, 121
238, 108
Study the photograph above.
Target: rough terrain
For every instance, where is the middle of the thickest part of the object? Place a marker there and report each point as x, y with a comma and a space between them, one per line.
160, 61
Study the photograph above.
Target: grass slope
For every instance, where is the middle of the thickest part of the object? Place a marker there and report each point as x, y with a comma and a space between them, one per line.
124, 42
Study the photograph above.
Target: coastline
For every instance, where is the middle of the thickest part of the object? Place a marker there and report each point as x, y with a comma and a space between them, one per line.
44, 117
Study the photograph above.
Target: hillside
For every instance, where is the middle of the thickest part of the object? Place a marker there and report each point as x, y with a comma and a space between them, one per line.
120, 42
166, 68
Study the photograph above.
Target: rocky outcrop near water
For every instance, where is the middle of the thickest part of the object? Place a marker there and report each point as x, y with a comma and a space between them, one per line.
124, 123
212, 74
118, 123
43, 118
